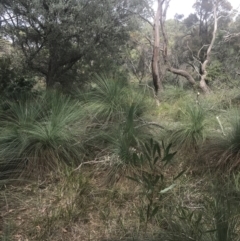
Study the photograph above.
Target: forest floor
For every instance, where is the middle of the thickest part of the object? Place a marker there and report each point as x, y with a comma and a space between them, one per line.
97, 203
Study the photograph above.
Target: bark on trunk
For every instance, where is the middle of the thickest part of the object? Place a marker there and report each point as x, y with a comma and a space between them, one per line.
171, 69
182, 73
50, 76
203, 84
156, 48
49, 82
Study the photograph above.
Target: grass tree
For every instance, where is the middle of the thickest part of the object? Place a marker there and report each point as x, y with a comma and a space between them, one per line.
224, 151
40, 134
192, 130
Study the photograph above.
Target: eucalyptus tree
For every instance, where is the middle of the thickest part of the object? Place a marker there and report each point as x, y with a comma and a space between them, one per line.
228, 50
163, 6
54, 35
203, 29
156, 74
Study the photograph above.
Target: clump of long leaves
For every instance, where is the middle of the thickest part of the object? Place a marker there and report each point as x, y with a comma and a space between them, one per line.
192, 131
122, 140
152, 161
224, 151
110, 99
116, 116
40, 133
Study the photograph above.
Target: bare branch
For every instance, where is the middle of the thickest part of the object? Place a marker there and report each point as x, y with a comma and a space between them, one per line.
199, 51
203, 84
169, 68
229, 36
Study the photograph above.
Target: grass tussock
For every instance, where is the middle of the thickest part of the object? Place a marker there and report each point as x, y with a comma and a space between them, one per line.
223, 151
41, 133
191, 131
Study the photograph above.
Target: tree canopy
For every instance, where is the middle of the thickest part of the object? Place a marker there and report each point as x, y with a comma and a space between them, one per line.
56, 34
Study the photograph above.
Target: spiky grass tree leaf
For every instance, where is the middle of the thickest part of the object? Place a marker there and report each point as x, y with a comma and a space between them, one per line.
156, 160
179, 175
157, 150
46, 131
223, 152
106, 98
110, 100
134, 179
192, 131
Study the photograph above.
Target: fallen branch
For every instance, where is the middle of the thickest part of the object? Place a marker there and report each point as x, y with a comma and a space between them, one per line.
89, 162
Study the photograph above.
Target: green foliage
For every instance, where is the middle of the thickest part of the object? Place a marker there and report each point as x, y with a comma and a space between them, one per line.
173, 93
110, 100
115, 110
224, 151
151, 177
116, 124
126, 138
215, 71
107, 98
192, 131
215, 218
12, 83
40, 134
69, 33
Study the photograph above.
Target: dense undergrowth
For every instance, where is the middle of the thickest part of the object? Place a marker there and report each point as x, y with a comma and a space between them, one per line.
108, 163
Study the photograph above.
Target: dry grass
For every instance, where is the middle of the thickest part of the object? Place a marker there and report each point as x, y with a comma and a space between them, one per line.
77, 205
70, 208
80, 205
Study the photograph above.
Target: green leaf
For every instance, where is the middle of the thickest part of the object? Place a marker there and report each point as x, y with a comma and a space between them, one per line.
148, 149
168, 157
168, 148
157, 146
156, 159
163, 145
134, 179
148, 157
210, 231
146, 180
179, 175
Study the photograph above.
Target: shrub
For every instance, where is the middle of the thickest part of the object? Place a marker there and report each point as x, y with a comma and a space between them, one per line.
192, 131
224, 151
13, 83
110, 99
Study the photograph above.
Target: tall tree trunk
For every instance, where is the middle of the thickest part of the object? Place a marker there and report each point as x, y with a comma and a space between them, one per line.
49, 82
157, 82
50, 75
203, 84
183, 73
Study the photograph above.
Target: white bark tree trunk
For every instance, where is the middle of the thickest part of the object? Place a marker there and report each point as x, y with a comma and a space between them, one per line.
157, 82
